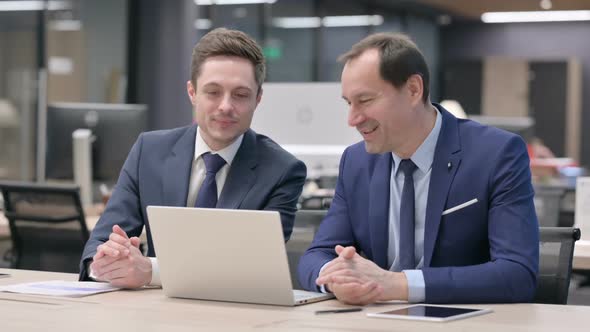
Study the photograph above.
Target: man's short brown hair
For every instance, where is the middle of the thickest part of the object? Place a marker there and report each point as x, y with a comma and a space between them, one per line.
222, 41
400, 58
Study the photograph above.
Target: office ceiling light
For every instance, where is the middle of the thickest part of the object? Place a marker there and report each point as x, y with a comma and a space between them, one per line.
232, 2
297, 22
308, 22
352, 20
536, 16
14, 6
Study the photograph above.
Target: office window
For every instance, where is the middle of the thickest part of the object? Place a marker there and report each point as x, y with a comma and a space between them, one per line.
303, 38
87, 52
54, 51
18, 85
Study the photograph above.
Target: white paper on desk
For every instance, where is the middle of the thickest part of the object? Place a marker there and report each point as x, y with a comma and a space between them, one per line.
60, 288
582, 214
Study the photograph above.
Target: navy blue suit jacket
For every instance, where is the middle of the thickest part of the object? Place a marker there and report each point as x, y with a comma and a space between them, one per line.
262, 176
486, 252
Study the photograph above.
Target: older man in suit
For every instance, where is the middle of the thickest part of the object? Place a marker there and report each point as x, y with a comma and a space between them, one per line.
440, 209
219, 162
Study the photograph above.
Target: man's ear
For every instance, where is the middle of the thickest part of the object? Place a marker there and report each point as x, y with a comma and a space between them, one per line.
415, 86
192, 92
259, 96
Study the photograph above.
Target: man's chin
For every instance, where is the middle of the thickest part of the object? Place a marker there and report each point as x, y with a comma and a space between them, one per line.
226, 137
372, 148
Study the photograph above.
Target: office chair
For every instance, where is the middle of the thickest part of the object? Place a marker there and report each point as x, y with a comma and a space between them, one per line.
556, 253
316, 202
548, 205
47, 226
306, 224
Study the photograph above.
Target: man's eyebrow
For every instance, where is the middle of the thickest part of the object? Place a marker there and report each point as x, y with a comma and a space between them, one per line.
211, 84
217, 85
359, 95
243, 87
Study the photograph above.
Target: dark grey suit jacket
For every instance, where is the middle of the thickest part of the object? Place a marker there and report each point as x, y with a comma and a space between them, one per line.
262, 176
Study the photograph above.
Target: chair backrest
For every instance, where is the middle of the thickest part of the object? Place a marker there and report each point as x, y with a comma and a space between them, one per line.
47, 225
548, 204
306, 224
316, 202
556, 253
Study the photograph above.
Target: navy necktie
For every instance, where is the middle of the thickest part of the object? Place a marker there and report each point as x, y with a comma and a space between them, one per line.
406, 217
207, 196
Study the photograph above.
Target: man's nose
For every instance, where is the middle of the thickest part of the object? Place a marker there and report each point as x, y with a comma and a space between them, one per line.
355, 117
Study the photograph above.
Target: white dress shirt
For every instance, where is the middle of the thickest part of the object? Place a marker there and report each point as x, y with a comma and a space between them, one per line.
198, 172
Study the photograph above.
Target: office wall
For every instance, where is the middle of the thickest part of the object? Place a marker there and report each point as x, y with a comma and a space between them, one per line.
167, 34
423, 30
165, 39
559, 40
426, 33
296, 46
294, 64
105, 31
18, 85
309, 54
2, 59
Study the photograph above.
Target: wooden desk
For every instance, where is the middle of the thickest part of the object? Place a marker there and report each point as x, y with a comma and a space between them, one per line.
150, 310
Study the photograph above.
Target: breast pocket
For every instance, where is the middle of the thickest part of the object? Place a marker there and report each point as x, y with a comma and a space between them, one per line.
462, 224
460, 207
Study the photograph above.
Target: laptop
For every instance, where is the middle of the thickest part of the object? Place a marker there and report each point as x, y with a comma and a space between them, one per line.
224, 255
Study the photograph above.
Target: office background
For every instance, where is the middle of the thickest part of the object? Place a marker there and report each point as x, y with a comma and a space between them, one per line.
138, 51
110, 52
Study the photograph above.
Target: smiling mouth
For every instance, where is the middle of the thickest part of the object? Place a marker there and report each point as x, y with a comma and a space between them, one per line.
225, 122
368, 131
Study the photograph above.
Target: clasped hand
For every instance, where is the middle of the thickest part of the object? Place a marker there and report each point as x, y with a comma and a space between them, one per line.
356, 280
120, 262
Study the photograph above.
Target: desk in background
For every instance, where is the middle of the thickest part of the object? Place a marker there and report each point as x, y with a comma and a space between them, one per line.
92, 214
582, 255
150, 310
55, 248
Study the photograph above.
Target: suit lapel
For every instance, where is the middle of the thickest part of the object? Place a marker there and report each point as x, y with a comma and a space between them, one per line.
379, 209
177, 169
241, 176
447, 153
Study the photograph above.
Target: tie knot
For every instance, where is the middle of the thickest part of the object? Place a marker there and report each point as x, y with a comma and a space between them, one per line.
213, 162
407, 166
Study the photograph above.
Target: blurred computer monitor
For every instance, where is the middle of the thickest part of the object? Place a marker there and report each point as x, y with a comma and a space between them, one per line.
310, 120
114, 126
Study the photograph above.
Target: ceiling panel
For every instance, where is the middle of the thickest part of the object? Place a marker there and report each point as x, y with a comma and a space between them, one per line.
474, 8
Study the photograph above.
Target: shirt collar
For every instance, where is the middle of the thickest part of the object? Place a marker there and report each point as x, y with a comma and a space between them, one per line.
228, 153
424, 155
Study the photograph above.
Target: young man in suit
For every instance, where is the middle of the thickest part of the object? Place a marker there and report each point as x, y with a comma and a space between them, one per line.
430, 207
219, 162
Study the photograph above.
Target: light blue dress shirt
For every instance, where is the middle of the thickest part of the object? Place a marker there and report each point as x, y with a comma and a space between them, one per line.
423, 158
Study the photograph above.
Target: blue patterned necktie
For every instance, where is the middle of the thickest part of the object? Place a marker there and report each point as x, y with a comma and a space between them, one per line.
207, 196
406, 218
